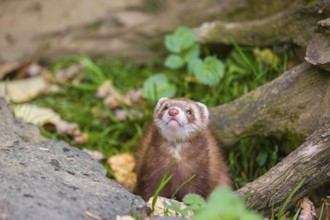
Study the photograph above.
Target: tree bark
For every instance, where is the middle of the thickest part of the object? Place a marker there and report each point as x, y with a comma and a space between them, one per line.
292, 24
293, 104
297, 105
310, 162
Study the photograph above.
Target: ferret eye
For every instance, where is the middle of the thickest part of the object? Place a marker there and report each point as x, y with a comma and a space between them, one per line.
165, 108
189, 112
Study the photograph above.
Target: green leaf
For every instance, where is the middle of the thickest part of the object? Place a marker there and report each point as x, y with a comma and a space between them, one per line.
194, 201
192, 53
157, 86
193, 198
262, 158
182, 39
210, 72
172, 44
250, 216
175, 206
174, 62
225, 204
195, 66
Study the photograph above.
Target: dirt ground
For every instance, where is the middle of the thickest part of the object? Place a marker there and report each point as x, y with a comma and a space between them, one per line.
25, 24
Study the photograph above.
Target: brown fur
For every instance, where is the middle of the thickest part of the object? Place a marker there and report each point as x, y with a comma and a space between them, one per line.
201, 158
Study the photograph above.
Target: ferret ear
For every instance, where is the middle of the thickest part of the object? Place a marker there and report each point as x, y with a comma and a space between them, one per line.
205, 109
160, 103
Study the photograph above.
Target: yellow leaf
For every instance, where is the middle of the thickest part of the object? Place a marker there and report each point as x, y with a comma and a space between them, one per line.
123, 166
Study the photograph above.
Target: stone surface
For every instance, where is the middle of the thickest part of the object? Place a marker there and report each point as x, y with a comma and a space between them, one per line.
45, 179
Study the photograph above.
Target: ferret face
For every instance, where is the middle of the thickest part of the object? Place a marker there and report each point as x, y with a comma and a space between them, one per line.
180, 119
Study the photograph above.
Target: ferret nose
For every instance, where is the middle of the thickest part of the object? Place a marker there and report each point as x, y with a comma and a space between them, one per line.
173, 112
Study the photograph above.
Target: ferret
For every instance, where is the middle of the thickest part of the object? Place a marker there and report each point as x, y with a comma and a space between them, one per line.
179, 139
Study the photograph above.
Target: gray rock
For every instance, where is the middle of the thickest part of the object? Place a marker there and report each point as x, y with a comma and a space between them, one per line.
45, 179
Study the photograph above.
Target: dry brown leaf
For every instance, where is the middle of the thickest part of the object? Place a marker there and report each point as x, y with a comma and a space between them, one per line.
190, 79
135, 95
25, 89
69, 73
161, 209
112, 97
123, 166
8, 68
35, 114
47, 117
80, 139
22, 70
96, 155
122, 114
307, 210
266, 56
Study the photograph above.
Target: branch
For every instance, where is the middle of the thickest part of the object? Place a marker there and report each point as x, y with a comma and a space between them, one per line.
292, 24
310, 162
294, 103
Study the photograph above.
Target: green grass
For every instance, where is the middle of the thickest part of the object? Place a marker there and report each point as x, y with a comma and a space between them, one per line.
78, 103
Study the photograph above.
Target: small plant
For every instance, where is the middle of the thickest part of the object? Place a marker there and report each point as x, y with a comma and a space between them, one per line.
184, 52
193, 201
157, 86
281, 213
166, 178
224, 204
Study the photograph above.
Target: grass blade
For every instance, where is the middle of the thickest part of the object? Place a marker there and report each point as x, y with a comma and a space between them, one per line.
295, 217
162, 183
281, 212
321, 212
182, 185
244, 57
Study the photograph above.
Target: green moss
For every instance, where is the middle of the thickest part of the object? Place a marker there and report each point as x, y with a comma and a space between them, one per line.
292, 141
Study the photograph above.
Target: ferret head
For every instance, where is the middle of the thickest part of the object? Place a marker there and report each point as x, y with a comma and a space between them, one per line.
180, 119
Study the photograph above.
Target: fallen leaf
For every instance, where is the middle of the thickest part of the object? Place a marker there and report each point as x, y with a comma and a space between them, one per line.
161, 208
50, 120
25, 89
105, 89
112, 97
307, 210
80, 139
35, 114
190, 79
121, 114
96, 155
7, 68
69, 73
123, 166
266, 56
22, 70
135, 95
